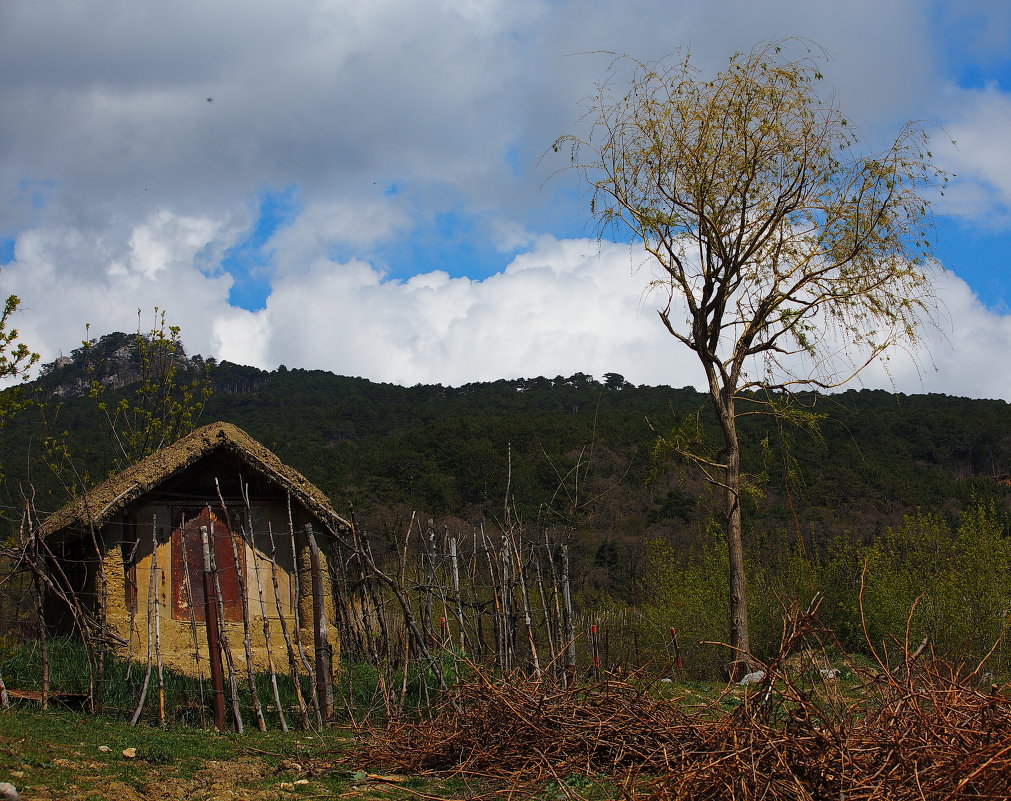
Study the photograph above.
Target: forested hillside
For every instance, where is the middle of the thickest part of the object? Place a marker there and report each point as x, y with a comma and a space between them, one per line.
577, 454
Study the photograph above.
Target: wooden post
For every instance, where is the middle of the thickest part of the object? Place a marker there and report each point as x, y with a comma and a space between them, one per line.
570, 630
152, 588
44, 642
188, 588
213, 642
472, 573
96, 660
233, 683
296, 574
430, 557
156, 578
292, 662
324, 653
546, 609
247, 644
38, 573
527, 616
455, 567
266, 625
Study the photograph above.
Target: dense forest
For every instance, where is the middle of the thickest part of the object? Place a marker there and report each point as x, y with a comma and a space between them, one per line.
577, 457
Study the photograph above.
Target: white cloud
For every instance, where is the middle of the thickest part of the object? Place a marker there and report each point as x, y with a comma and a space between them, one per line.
980, 156
564, 306
68, 278
138, 137
964, 356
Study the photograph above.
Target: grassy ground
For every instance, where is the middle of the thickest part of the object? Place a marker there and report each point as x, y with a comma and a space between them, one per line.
66, 755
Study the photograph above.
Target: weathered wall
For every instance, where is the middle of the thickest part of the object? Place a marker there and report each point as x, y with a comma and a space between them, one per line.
137, 564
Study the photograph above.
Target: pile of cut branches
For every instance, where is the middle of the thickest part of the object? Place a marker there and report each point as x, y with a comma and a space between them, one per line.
919, 730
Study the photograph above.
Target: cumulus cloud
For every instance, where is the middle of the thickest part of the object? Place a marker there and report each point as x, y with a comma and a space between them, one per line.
157, 264
964, 355
139, 138
563, 307
973, 145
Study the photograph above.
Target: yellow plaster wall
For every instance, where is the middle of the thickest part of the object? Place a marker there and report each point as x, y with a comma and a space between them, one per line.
175, 638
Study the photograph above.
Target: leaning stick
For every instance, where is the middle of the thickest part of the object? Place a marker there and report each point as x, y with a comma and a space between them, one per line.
545, 608
127, 565
321, 637
188, 588
213, 627
43, 633
527, 617
233, 684
247, 645
150, 632
298, 620
263, 615
455, 567
96, 663
157, 622
292, 661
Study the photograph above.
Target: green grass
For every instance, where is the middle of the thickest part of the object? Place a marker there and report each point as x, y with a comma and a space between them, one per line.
63, 754
58, 754
119, 690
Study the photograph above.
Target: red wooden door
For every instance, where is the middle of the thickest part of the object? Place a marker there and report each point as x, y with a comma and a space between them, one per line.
188, 555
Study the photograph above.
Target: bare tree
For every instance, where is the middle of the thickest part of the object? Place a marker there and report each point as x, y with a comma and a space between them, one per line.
792, 256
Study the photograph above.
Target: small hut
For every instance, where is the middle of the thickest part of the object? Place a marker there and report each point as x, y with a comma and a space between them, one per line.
130, 554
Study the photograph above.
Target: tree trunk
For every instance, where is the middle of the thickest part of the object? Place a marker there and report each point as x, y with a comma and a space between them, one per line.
740, 641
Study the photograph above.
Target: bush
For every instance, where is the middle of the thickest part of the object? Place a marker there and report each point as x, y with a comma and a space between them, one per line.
920, 579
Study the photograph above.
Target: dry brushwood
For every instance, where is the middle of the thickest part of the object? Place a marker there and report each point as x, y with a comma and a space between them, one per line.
796, 736
521, 727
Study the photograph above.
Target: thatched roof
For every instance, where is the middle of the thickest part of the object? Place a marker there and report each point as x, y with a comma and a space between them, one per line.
116, 492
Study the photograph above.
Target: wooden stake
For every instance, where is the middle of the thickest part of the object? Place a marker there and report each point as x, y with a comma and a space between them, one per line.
96, 661
151, 587
233, 682
527, 617
455, 568
43, 633
263, 614
546, 609
188, 590
298, 617
324, 654
570, 629
213, 639
129, 564
247, 645
282, 619
156, 577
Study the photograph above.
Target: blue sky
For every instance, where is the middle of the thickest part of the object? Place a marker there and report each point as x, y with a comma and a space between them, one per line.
250, 260
366, 188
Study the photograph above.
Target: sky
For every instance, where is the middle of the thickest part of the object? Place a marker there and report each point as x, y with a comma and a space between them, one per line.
368, 187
